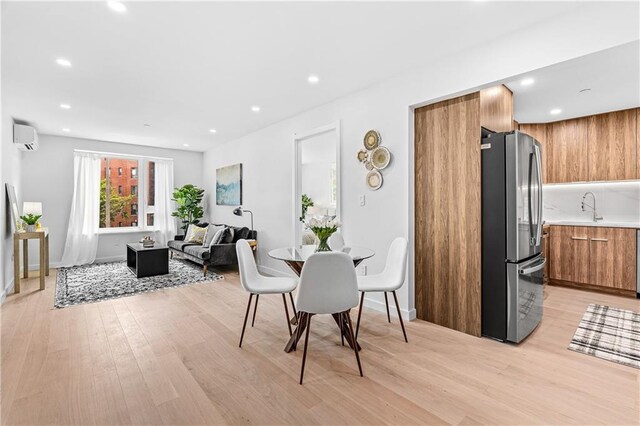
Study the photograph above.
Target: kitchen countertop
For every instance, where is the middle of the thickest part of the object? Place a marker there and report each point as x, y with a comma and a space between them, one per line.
601, 224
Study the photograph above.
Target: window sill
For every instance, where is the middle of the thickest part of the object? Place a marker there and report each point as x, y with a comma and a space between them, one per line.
114, 231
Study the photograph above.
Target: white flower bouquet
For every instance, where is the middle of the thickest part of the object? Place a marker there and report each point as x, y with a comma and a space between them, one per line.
323, 229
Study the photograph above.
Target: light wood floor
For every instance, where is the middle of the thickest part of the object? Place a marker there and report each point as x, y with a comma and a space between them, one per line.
172, 357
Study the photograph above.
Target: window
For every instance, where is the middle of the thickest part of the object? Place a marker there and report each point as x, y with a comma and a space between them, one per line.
131, 192
114, 208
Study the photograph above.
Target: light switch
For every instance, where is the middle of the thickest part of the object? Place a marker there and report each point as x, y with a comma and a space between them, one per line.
362, 200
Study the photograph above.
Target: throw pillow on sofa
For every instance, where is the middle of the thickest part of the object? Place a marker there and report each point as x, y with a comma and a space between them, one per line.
241, 234
211, 234
219, 235
227, 237
195, 234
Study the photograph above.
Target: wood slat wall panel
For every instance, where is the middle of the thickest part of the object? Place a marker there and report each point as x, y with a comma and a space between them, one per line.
447, 219
613, 146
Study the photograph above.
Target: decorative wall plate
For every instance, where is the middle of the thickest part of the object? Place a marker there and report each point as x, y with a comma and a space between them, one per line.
374, 180
368, 165
363, 155
380, 157
371, 139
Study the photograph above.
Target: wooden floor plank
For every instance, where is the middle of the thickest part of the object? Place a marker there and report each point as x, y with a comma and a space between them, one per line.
172, 357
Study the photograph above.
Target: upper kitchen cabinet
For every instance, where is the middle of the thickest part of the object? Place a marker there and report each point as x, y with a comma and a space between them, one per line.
566, 147
613, 146
496, 109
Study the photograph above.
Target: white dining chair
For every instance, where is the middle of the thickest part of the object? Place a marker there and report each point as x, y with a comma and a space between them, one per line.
388, 281
328, 285
336, 241
257, 284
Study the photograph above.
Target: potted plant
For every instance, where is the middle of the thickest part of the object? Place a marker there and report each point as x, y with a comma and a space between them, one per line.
31, 220
323, 229
306, 203
189, 199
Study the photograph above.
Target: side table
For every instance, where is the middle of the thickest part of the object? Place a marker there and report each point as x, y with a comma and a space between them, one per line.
42, 235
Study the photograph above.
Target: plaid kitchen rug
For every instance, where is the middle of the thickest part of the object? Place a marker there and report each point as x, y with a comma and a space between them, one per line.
609, 333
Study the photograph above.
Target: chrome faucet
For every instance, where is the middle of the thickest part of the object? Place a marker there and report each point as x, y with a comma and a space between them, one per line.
592, 207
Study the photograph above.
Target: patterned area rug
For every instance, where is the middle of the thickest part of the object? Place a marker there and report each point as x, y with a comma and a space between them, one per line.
609, 333
102, 281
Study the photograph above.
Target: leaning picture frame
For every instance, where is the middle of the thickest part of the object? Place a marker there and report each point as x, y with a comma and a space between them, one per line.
14, 211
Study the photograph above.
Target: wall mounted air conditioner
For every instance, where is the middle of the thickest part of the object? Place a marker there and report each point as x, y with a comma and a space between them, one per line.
25, 137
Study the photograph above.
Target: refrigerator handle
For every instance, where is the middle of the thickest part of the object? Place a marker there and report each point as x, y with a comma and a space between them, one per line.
539, 167
532, 269
533, 239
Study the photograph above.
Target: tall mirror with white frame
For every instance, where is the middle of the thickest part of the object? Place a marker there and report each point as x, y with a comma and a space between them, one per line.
317, 179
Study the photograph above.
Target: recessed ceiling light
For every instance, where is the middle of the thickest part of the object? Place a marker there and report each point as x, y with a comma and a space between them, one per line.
65, 106
527, 82
255, 108
215, 131
146, 125
555, 111
117, 6
66, 129
185, 144
63, 62
313, 79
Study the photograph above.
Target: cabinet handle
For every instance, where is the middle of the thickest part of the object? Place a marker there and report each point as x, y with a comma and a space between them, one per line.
604, 240
579, 238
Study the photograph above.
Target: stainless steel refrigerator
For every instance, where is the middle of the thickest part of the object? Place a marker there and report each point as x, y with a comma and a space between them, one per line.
512, 261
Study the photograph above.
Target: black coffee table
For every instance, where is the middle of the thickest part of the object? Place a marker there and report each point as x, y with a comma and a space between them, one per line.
147, 261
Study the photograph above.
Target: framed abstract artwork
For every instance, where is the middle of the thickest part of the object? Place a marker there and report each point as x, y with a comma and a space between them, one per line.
229, 185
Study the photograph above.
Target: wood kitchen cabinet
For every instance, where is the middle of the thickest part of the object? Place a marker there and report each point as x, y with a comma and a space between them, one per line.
567, 151
593, 256
569, 253
613, 146
496, 109
612, 257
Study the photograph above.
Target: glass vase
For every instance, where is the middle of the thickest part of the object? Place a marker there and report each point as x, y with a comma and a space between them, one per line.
323, 244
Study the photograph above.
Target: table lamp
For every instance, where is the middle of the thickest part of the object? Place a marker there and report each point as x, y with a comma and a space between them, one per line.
238, 211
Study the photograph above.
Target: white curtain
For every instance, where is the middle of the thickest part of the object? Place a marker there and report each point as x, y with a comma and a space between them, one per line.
163, 222
82, 234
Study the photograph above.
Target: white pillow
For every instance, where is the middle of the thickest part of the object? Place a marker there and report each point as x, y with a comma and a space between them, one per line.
217, 236
211, 232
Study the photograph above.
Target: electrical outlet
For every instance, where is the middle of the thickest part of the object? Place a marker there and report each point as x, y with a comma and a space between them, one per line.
363, 200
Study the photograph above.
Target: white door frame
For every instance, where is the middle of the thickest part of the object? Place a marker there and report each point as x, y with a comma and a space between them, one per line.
297, 207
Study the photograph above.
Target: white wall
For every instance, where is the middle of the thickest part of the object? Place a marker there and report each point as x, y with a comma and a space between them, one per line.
47, 176
267, 155
615, 201
11, 165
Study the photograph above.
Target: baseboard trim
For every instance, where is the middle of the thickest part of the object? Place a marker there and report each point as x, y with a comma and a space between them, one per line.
6, 291
407, 314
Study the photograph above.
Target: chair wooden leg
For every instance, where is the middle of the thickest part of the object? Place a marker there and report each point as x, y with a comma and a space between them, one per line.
286, 313
386, 302
355, 347
400, 316
295, 314
341, 329
246, 316
300, 318
255, 309
359, 315
306, 342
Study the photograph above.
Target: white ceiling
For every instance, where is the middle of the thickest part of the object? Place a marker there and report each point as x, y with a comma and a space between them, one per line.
613, 75
187, 67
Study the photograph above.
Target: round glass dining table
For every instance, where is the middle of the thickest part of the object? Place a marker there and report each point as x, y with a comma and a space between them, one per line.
295, 258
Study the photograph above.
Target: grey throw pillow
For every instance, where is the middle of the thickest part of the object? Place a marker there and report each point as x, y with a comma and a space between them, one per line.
212, 230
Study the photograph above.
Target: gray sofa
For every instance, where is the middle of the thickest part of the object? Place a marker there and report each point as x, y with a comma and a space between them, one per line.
215, 255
